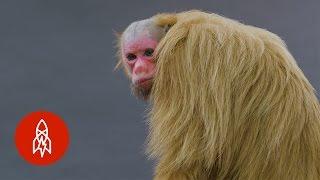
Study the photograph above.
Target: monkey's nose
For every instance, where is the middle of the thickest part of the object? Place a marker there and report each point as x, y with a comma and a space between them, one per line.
140, 70
141, 67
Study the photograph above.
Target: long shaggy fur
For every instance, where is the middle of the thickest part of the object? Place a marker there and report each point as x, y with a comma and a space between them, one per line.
230, 102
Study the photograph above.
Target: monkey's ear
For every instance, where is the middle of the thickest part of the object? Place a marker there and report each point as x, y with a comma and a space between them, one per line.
165, 19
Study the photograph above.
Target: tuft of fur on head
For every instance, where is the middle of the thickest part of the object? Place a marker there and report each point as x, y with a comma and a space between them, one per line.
118, 47
119, 54
229, 101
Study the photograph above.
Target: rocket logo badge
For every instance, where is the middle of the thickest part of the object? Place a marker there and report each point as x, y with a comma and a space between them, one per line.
42, 138
41, 142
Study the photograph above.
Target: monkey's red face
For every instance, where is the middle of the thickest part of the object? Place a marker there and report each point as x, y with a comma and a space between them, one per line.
139, 42
138, 55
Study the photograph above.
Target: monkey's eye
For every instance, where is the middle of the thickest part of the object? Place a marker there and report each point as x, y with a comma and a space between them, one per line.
131, 57
148, 52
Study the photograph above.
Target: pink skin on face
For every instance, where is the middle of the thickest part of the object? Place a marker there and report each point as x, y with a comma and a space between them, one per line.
142, 68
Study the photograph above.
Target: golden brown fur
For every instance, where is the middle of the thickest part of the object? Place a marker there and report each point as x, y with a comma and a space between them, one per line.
229, 102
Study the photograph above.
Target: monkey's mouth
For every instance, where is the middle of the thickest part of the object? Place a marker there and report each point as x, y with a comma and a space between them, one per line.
142, 87
144, 82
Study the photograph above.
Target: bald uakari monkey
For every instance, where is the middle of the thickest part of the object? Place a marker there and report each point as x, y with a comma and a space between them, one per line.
228, 100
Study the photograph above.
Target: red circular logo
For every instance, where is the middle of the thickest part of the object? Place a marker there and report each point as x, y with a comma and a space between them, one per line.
41, 138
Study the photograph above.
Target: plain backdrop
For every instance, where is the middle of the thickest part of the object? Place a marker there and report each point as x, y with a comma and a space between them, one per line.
59, 55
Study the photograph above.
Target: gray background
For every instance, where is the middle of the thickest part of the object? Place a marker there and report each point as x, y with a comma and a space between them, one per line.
59, 55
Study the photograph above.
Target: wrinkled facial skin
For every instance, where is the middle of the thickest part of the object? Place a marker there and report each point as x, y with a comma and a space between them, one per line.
138, 45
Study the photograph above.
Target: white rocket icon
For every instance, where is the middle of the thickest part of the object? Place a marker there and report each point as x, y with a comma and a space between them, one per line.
41, 141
